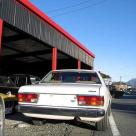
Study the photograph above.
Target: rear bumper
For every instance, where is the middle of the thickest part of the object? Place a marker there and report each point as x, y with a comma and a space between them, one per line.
89, 113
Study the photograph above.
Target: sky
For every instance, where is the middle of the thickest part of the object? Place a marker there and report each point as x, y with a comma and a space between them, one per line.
106, 27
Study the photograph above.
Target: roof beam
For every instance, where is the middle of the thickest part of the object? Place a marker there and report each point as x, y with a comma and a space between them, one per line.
15, 38
35, 53
24, 54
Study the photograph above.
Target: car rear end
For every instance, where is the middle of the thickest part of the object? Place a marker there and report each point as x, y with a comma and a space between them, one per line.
62, 106
64, 101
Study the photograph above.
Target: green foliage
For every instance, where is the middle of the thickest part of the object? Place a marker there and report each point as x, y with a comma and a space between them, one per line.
104, 75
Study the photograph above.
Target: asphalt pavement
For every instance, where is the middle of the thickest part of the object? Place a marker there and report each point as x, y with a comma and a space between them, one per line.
123, 116
124, 113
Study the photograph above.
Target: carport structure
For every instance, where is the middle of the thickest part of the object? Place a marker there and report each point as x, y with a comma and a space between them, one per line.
30, 42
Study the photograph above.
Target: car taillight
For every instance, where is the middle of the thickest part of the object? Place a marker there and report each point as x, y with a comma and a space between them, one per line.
90, 100
30, 98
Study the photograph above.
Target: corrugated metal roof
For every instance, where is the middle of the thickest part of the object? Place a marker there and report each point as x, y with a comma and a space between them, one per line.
44, 17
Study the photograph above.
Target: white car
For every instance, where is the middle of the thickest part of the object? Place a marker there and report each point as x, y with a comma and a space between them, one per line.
67, 95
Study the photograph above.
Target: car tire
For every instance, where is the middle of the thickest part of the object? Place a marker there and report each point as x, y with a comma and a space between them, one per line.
14, 107
113, 95
103, 124
38, 122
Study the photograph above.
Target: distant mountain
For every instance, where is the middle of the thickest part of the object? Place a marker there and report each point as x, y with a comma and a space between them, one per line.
132, 82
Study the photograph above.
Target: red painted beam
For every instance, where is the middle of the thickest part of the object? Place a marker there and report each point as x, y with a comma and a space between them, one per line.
54, 58
44, 17
78, 64
1, 31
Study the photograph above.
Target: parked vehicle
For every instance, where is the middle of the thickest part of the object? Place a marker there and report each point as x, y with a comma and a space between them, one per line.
24, 79
128, 92
66, 95
10, 102
116, 93
8, 91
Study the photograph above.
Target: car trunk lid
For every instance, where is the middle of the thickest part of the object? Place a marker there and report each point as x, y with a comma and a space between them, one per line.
62, 95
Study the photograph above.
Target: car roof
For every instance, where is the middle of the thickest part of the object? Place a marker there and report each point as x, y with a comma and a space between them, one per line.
75, 70
23, 75
19, 74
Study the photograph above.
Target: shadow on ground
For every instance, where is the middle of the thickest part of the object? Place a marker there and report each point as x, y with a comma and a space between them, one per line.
20, 117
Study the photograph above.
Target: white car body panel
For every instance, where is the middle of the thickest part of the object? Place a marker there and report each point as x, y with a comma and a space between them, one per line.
64, 96
61, 94
61, 117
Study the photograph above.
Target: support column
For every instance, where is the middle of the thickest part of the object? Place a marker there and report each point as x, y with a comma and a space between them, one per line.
1, 30
54, 58
79, 64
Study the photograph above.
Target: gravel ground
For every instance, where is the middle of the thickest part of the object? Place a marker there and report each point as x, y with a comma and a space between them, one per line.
19, 125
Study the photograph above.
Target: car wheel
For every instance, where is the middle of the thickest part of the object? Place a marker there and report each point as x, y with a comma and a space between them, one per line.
38, 122
103, 124
9, 107
14, 107
113, 95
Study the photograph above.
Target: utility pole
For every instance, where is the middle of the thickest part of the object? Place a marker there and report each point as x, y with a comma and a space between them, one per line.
120, 78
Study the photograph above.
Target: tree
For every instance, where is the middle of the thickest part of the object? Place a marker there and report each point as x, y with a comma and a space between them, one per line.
104, 75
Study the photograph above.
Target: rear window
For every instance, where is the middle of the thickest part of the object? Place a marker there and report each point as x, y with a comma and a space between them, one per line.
72, 77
